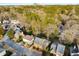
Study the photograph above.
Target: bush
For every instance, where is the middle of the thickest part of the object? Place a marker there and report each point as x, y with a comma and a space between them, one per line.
10, 33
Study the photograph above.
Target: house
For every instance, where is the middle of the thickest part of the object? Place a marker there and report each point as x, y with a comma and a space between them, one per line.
15, 27
6, 21
41, 43
15, 22
6, 24
21, 50
53, 48
60, 50
2, 52
28, 39
74, 51
57, 49
17, 33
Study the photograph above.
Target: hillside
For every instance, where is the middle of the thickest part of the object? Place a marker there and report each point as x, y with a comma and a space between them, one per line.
51, 21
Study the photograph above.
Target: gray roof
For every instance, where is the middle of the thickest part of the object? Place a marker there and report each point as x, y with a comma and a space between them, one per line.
20, 50
1, 45
15, 54
37, 40
57, 48
46, 43
42, 42
53, 46
60, 48
1, 49
73, 49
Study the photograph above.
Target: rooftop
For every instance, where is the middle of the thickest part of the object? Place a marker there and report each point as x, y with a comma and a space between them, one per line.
41, 42
28, 37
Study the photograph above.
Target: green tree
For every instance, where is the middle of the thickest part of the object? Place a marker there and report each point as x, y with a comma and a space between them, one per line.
10, 33
1, 30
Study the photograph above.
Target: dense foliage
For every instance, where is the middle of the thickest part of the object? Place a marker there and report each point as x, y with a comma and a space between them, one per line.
10, 33
54, 22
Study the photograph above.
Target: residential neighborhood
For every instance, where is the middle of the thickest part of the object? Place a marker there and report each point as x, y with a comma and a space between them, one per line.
28, 45
36, 31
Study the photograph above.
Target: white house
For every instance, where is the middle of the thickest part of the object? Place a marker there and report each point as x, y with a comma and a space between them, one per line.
60, 50
57, 49
28, 39
2, 52
17, 34
6, 24
53, 48
6, 21
13, 22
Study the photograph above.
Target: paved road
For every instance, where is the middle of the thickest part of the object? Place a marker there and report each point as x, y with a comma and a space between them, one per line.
19, 49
